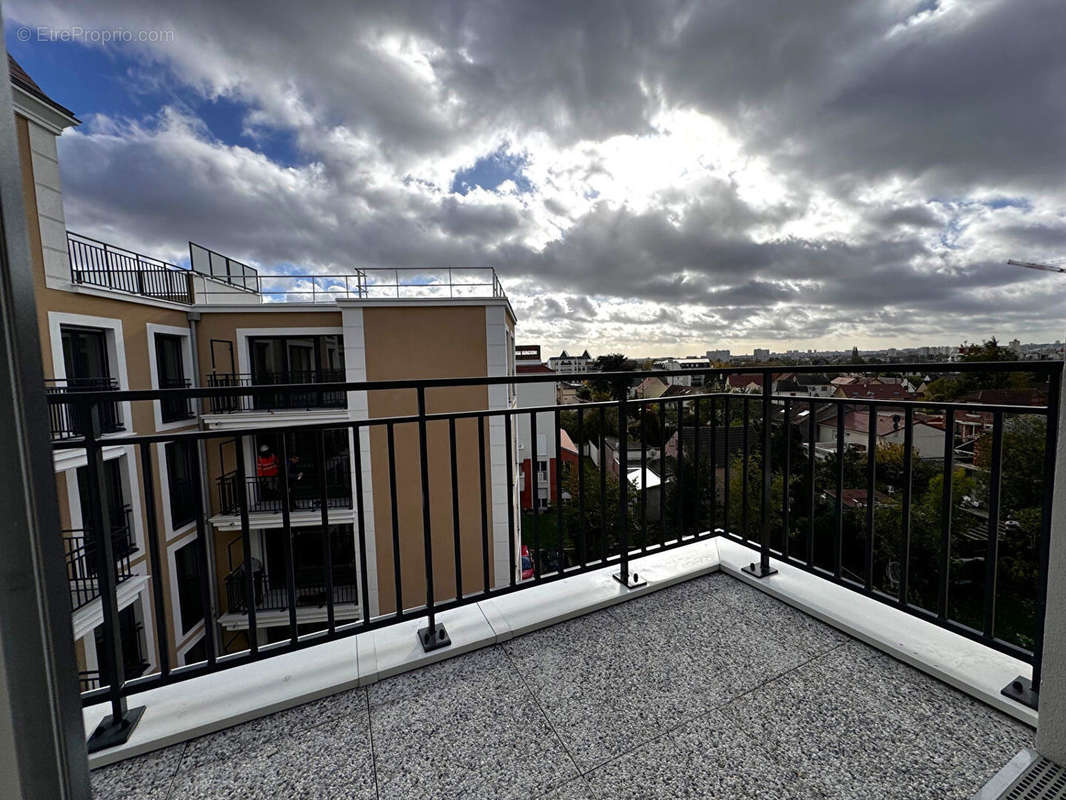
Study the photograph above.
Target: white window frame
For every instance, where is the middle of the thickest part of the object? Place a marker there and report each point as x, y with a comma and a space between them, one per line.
196, 635
169, 531
175, 603
153, 369
116, 352
131, 488
243, 334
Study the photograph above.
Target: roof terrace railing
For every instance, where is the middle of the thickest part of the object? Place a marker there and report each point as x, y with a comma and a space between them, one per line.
96, 263
964, 549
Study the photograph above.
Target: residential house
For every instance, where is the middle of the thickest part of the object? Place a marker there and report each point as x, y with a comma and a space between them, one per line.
928, 439
696, 365
564, 363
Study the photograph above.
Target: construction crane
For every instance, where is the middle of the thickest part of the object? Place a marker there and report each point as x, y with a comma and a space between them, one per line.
1034, 265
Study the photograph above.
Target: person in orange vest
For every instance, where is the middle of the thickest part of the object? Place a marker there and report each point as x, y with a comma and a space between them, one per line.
266, 469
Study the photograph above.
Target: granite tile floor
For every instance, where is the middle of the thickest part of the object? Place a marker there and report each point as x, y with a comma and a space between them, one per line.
709, 689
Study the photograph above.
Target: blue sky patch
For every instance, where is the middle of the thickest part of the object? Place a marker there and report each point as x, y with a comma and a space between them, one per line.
488, 172
119, 82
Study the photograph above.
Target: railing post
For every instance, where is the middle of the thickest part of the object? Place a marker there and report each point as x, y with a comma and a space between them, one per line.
763, 568
624, 576
1025, 691
433, 636
116, 728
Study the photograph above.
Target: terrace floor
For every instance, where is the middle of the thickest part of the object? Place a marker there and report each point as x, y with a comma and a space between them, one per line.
708, 689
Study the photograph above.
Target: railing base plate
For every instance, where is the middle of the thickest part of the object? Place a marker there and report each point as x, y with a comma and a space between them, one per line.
1021, 690
433, 638
108, 734
633, 581
755, 570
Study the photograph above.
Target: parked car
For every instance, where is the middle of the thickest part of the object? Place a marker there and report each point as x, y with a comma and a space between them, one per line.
527, 564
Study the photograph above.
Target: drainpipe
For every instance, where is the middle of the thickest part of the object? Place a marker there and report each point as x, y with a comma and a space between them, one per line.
205, 495
1051, 727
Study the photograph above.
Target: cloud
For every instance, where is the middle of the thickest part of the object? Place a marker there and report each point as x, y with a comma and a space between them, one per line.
656, 176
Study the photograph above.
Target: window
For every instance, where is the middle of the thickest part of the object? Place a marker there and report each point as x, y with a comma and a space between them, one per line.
170, 368
297, 359
190, 603
117, 508
181, 483
85, 354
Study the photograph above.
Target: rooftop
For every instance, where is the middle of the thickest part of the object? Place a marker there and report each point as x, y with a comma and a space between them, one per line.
709, 688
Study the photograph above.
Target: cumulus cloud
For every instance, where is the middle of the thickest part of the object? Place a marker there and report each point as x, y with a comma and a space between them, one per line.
686, 175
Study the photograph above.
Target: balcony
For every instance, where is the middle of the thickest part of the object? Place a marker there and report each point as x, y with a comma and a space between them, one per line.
688, 676
64, 417
263, 494
707, 689
81, 556
272, 594
104, 266
175, 409
282, 400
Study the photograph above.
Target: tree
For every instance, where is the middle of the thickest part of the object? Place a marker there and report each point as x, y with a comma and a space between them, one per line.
611, 362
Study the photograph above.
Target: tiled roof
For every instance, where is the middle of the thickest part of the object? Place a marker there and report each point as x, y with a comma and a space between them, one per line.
527, 369
874, 391
22, 79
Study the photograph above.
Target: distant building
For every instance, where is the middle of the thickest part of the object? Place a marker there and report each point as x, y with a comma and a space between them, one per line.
761, 354
649, 388
524, 353
565, 363
693, 363
718, 355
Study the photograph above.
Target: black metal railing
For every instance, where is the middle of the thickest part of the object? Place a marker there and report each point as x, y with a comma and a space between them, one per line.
97, 263
80, 551
863, 493
175, 409
272, 594
63, 421
286, 399
264, 493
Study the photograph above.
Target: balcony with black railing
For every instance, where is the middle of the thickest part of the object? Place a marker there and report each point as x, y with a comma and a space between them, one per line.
104, 266
176, 409
80, 549
265, 493
310, 590
898, 541
67, 420
282, 400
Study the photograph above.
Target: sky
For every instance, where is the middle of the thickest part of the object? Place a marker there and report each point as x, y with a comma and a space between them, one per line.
652, 177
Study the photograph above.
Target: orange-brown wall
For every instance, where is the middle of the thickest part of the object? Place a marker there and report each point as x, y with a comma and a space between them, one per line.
406, 342
135, 317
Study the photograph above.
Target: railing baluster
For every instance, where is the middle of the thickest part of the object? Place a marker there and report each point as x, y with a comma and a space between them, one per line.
286, 526
644, 479
246, 545
838, 519
484, 496
559, 537
744, 529
509, 459
433, 636
679, 505
203, 564
456, 530
992, 553
116, 728
871, 490
394, 508
662, 478
763, 568
812, 435
905, 523
786, 527
624, 576
534, 468
714, 466
727, 450
152, 544
696, 467
943, 598
1051, 438
327, 549
603, 487
582, 539
360, 511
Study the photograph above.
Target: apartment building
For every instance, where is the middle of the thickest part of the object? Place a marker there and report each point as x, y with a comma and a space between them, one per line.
113, 319
694, 364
